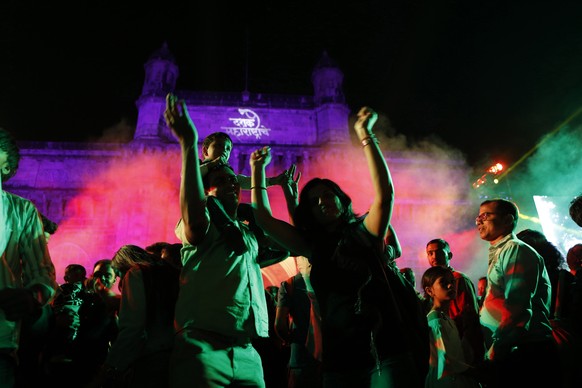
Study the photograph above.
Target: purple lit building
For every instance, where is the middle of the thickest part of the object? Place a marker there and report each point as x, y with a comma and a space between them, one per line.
105, 195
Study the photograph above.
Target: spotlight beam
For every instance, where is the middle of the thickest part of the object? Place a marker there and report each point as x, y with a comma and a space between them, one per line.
548, 136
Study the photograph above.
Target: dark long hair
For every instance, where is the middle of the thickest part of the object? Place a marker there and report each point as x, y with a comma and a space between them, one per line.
129, 256
553, 258
304, 218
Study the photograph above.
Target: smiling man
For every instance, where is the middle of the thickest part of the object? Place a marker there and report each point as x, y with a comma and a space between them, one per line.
515, 313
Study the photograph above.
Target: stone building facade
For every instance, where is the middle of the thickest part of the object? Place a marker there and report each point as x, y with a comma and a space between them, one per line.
105, 195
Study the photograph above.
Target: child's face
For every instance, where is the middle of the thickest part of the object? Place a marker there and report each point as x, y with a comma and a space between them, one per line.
219, 148
443, 288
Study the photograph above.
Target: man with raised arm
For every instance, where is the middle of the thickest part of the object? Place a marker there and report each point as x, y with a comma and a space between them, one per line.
221, 306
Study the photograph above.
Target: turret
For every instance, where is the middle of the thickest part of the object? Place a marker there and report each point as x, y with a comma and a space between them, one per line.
161, 74
332, 111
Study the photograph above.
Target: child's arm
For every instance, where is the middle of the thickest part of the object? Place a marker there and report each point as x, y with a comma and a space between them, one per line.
278, 180
206, 166
245, 181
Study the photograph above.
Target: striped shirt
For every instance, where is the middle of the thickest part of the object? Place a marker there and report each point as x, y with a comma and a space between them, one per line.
25, 259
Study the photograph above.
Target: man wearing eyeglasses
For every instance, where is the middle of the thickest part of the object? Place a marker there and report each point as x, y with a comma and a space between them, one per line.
515, 313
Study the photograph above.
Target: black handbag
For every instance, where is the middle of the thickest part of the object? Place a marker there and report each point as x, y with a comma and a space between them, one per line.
404, 299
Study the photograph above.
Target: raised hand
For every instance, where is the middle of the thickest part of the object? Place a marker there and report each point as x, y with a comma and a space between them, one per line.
283, 178
291, 182
178, 119
366, 120
261, 157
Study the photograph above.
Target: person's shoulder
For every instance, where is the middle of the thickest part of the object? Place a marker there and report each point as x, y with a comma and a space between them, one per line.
521, 249
13, 196
357, 226
460, 275
138, 270
160, 269
567, 275
432, 315
514, 246
18, 200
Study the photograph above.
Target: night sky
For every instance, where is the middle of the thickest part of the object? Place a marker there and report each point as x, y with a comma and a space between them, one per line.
490, 79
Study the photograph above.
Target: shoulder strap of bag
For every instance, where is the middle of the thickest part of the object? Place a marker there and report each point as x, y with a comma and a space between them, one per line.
379, 264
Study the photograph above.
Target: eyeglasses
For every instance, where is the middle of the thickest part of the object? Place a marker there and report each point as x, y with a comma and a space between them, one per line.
483, 217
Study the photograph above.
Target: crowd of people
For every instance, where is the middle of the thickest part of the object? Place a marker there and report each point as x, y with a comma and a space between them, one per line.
197, 314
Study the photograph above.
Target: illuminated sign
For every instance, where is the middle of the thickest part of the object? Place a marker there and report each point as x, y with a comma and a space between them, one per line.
247, 125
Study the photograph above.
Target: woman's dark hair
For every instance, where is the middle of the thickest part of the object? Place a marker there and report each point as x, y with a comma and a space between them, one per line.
129, 256
553, 258
157, 248
303, 216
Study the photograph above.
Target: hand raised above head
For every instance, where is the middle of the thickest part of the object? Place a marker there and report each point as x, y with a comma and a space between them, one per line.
292, 181
261, 157
286, 177
366, 119
178, 119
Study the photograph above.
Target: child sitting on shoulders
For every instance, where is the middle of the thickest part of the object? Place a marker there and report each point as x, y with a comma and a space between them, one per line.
216, 149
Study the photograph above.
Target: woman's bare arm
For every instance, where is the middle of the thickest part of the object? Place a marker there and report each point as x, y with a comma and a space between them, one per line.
282, 232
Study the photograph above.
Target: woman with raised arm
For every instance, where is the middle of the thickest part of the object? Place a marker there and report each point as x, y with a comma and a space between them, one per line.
364, 344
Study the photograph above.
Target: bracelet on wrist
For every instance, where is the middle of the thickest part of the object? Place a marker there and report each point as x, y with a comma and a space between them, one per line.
369, 140
258, 188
